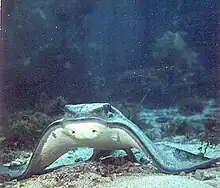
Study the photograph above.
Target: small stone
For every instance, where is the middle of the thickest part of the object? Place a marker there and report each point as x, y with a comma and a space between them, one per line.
202, 175
27, 155
6, 165
182, 173
15, 164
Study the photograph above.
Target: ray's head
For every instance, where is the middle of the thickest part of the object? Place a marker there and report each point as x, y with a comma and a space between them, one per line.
83, 129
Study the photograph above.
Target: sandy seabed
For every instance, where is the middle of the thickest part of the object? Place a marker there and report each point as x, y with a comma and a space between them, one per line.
127, 175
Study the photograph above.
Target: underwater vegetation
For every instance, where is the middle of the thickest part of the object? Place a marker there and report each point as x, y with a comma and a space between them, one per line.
26, 126
190, 106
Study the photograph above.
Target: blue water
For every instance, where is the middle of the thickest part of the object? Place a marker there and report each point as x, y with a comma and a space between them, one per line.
157, 61
81, 50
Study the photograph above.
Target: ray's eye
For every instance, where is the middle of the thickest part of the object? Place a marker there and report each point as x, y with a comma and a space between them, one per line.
93, 130
73, 132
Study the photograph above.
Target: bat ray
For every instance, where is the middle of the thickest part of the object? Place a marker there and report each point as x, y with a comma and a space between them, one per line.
104, 128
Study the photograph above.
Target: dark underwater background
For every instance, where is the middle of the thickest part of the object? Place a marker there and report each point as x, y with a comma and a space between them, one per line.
92, 51
158, 54
157, 61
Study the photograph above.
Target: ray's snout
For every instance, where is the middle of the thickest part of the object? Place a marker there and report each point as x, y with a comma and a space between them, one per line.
83, 130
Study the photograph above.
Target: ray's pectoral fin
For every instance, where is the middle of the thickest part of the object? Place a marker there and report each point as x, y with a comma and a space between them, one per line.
52, 145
